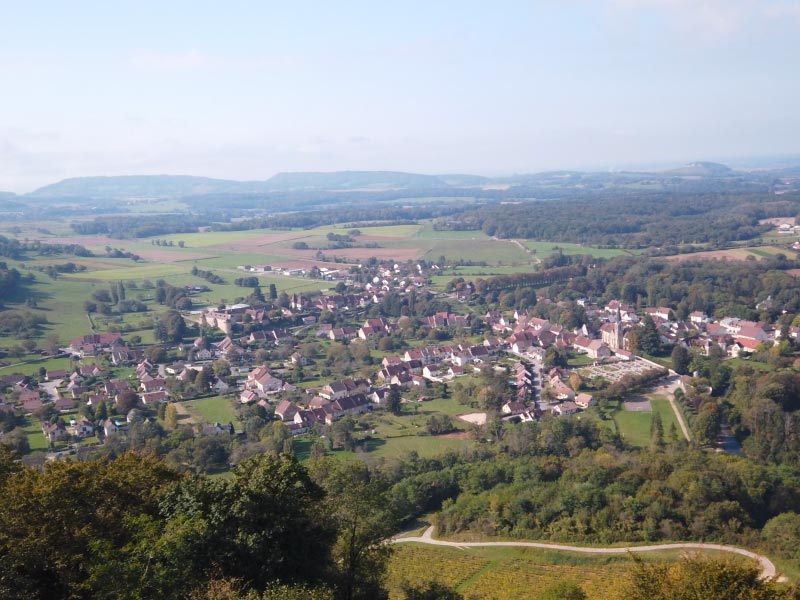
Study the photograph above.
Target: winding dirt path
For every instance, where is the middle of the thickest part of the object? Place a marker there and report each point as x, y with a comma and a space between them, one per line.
768, 570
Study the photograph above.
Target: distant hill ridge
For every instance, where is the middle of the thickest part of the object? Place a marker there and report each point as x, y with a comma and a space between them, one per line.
701, 168
349, 180
161, 186
125, 187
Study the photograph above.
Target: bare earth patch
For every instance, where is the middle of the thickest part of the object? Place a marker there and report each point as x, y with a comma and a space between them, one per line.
710, 255
183, 414
638, 405
477, 418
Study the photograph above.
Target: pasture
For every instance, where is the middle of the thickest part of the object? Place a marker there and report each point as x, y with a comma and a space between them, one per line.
543, 249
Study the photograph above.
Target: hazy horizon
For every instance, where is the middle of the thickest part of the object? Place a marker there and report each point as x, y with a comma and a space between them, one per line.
250, 91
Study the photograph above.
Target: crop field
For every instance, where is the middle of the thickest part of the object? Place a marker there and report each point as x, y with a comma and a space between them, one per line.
383, 231
209, 239
509, 573
756, 253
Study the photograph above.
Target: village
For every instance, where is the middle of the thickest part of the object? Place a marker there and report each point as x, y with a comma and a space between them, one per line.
253, 356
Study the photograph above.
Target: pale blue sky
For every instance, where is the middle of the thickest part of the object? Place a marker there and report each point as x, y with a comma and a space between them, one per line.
247, 89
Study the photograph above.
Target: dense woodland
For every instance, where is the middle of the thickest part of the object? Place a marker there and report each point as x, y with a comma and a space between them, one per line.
132, 527
631, 219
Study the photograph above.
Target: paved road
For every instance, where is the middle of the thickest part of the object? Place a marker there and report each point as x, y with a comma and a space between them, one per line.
767, 567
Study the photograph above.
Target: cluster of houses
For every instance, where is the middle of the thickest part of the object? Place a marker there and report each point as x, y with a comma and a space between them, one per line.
416, 369
531, 337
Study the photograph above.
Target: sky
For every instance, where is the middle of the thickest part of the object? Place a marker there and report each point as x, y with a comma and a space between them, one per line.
244, 90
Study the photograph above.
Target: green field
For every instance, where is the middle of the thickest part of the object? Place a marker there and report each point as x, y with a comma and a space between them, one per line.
30, 365
634, 427
36, 438
397, 435
543, 249
386, 435
137, 272
218, 409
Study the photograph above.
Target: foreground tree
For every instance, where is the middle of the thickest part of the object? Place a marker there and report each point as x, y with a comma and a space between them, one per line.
358, 503
563, 590
699, 578
432, 590
262, 526
63, 529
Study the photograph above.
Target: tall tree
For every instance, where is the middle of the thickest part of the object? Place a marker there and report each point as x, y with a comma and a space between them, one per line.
394, 401
357, 501
680, 359
263, 525
656, 431
649, 340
